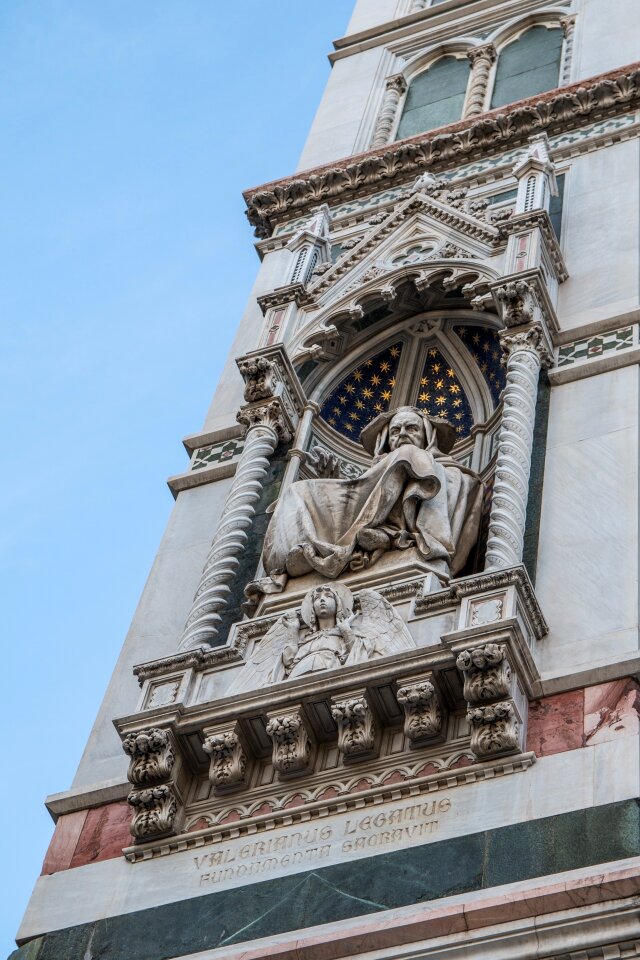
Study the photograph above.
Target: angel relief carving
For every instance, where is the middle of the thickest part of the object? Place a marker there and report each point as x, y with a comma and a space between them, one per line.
329, 632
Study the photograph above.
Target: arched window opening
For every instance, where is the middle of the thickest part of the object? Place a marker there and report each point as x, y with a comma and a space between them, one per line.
528, 66
435, 97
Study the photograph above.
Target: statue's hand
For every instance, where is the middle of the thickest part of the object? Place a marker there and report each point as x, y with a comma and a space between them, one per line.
344, 626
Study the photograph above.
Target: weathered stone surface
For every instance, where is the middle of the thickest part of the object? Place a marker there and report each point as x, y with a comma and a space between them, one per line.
556, 723
105, 833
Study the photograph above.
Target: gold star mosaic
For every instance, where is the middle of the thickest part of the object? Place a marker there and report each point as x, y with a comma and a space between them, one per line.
484, 345
441, 393
363, 394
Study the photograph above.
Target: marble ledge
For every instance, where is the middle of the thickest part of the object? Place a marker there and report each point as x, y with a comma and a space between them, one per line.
522, 909
197, 478
84, 798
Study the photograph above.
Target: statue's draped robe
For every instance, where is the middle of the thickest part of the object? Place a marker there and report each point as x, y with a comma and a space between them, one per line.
433, 499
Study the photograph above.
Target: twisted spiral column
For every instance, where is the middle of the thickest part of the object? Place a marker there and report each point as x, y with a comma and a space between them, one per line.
395, 87
481, 59
568, 25
525, 356
230, 537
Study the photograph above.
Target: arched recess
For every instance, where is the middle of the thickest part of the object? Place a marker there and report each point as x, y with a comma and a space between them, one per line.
435, 96
528, 65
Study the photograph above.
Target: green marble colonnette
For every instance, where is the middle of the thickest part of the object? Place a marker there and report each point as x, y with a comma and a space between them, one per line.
416, 875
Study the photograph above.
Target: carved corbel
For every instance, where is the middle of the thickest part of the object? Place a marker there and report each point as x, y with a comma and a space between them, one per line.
155, 811
269, 414
259, 376
152, 771
495, 729
292, 746
229, 763
358, 735
423, 712
516, 302
152, 756
486, 672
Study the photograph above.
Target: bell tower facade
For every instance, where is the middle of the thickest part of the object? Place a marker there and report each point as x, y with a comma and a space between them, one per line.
380, 697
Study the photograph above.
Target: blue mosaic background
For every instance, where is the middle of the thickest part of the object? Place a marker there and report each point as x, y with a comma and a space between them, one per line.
484, 345
441, 393
363, 394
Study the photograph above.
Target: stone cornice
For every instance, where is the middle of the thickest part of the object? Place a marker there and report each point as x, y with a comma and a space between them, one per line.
559, 110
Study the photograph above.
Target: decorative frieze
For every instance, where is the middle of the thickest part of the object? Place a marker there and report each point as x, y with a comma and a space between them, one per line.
229, 763
486, 672
590, 348
357, 728
423, 713
560, 112
494, 729
292, 746
395, 88
481, 59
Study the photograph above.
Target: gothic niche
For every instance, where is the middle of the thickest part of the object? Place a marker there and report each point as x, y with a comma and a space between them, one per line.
328, 632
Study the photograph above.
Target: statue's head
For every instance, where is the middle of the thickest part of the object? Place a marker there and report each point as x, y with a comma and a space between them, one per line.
407, 425
328, 601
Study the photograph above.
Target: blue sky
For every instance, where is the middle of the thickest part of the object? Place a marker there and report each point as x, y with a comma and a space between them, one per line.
127, 133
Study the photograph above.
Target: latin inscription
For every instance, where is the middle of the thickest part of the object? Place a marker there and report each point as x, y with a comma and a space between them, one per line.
396, 827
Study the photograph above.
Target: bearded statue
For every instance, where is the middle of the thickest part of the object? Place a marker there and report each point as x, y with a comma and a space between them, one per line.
414, 495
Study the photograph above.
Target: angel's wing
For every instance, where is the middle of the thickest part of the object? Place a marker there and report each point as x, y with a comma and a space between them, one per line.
264, 665
380, 620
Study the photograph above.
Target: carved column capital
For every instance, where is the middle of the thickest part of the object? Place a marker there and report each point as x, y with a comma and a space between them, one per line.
423, 713
568, 25
530, 340
357, 727
484, 51
271, 415
228, 767
292, 753
397, 83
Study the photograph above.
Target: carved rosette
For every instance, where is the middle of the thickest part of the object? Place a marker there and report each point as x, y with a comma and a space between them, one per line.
357, 729
494, 729
152, 757
486, 672
395, 88
228, 761
292, 745
481, 58
154, 811
525, 353
423, 715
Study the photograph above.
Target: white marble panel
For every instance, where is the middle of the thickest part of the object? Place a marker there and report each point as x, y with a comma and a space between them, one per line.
592, 236
587, 561
606, 36
372, 13
556, 784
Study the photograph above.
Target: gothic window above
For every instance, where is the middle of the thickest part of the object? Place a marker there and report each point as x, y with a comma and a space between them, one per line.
456, 376
528, 66
435, 97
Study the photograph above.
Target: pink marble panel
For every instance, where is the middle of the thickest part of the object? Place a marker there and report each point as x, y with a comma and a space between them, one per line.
105, 833
64, 841
556, 723
611, 710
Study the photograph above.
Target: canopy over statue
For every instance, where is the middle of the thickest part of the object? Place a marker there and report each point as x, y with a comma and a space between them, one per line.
414, 494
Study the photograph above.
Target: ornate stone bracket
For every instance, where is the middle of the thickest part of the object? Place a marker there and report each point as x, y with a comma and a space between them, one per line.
424, 715
486, 671
358, 737
275, 404
229, 764
293, 749
495, 729
153, 771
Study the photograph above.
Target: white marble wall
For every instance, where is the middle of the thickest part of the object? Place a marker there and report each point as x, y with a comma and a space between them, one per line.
600, 235
157, 622
587, 581
606, 36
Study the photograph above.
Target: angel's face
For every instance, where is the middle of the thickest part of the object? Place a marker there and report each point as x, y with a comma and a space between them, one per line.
406, 428
324, 602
